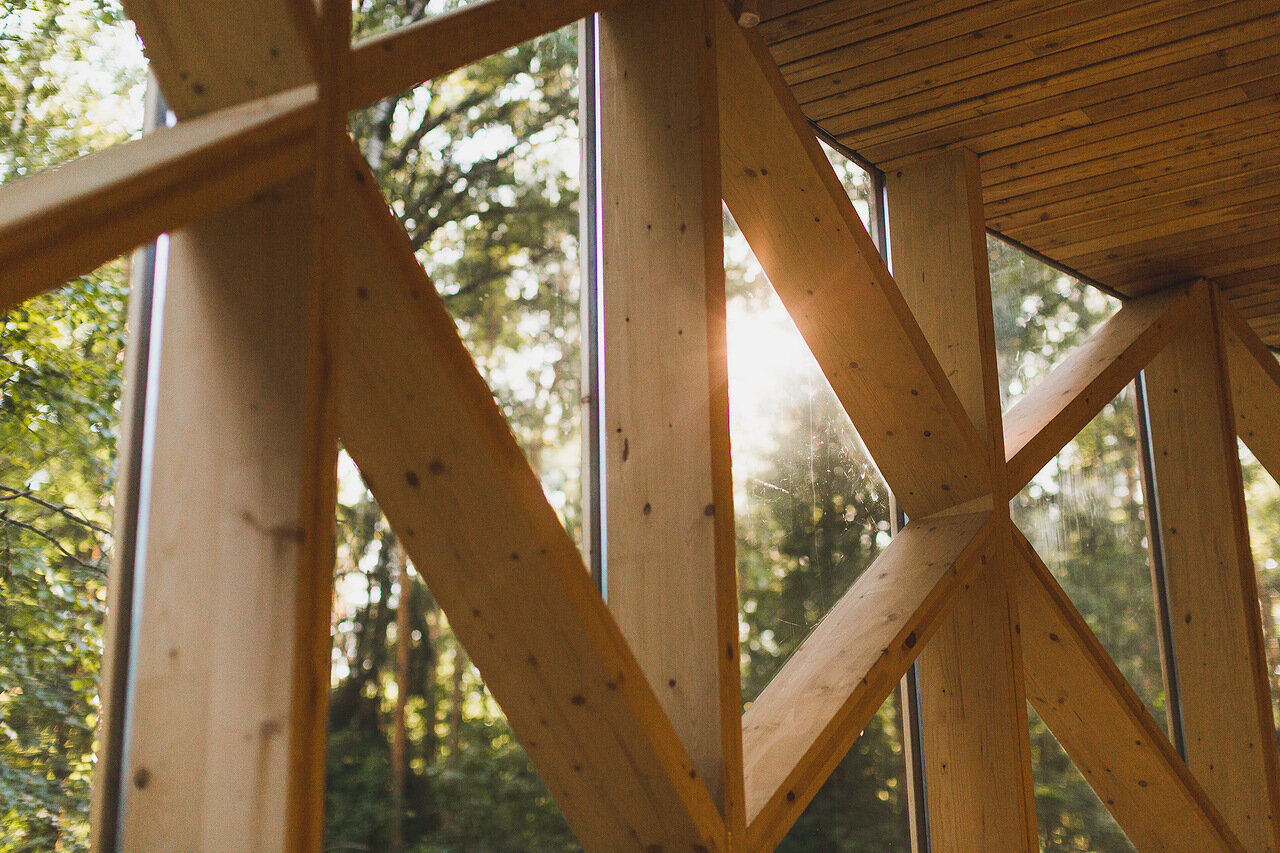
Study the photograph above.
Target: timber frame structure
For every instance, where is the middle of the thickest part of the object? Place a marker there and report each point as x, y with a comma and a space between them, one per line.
296, 316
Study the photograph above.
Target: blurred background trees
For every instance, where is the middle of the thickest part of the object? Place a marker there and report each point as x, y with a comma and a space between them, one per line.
482, 167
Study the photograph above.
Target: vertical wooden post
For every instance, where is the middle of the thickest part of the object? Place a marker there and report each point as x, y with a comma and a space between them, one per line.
225, 720
977, 754
1212, 589
672, 583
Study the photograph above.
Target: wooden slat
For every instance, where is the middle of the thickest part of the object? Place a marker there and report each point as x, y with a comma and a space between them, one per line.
424, 429
391, 62
998, 35
1255, 388
790, 206
1212, 590
800, 727
66, 221
1057, 94
972, 702
794, 33
1040, 424
672, 577
920, 93
1104, 727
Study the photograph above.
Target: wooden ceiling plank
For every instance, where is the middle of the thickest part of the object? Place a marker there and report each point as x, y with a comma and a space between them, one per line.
806, 719
1104, 727
68, 220
1224, 105
1152, 212
985, 40
1133, 264
391, 62
1193, 156
799, 221
1206, 180
1243, 213
1142, 49
824, 26
1055, 411
1255, 388
1055, 94
424, 429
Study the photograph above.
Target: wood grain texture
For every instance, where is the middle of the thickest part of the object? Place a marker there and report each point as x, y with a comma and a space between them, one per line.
432, 445
799, 221
1103, 726
972, 702
391, 62
1255, 387
1212, 589
1107, 131
68, 220
672, 577
800, 727
217, 741
1064, 402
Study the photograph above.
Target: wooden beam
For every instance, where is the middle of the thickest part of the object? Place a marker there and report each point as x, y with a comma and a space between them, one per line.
1040, 424
792, 209
1255, 387
672, 577
1212, 589
68, 220
394, 61
1102, 724
218, 743
806, 719
972, 700
423, 427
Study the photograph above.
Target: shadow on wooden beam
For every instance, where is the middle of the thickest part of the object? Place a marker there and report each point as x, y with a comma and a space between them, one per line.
804, 722
1055, 411
1102, 724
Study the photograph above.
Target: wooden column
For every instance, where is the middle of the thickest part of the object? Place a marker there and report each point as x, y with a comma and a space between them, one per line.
225, 714
1212, 589
671, 576
973, 703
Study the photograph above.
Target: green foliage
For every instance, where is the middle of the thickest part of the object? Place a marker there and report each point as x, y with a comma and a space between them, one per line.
60, 358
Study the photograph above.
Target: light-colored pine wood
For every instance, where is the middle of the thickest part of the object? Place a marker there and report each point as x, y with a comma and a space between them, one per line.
1212, 591
218, 750
67, 220
209, 722
432, 445
672, 578
791, 208
1255, 388
400, 59
804, 722
972, 700
1041, 423
1104, 727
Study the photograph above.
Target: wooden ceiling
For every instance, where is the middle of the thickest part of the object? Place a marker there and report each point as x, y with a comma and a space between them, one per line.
1136, 142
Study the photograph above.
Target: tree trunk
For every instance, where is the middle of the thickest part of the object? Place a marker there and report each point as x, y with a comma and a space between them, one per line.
404, 645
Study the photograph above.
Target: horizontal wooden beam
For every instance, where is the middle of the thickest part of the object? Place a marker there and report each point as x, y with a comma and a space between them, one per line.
1102, 724
432, 445
798, 219
394, 61
68, 220
1255, 387
804, 722
1040, 424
